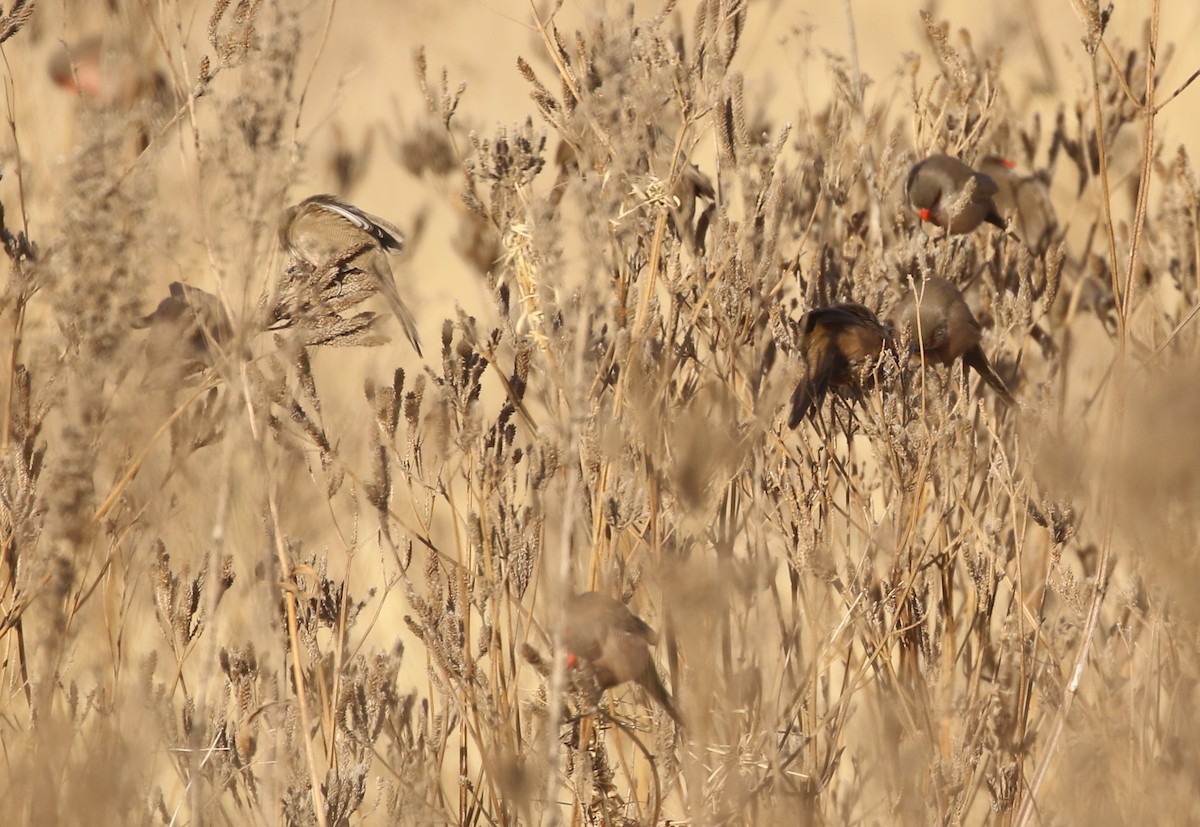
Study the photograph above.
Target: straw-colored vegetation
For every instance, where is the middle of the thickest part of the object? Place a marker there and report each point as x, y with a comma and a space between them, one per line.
263, 564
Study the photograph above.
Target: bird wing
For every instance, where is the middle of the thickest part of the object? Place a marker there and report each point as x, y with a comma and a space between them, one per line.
926, 324
976, 358
860, 342
834, 337
631, 624
985, 187
831, 316
860, 335
626, 658
820, 364
386, 233
912, 176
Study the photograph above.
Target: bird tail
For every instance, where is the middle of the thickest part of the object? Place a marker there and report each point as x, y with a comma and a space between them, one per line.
653, 685
805, 398
810, 393
387, 286
976, 358
995, 219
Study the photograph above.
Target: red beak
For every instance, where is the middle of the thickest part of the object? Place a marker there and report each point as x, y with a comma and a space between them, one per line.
924, 215
91, 80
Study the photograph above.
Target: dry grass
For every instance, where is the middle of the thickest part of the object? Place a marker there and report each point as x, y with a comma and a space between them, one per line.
258, 567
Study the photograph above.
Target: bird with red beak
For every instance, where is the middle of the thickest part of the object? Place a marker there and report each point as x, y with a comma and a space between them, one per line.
949, 194
615, 643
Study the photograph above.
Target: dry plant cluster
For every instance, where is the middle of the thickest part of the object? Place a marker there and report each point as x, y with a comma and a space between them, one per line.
242, 583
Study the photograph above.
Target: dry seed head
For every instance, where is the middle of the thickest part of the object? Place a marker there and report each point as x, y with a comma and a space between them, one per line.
522, 260
952, 62
412, 402
17, 17
378, 489
232, 46
421, 66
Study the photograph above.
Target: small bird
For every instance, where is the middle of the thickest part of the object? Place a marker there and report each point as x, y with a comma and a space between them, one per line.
189, 332
616, 643
190, 324
109, 73
833, 339
943, 329
1024, 200
937, 191
325, 231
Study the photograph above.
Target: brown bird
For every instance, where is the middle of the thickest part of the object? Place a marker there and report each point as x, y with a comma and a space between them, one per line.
833, 339
187, 333
325, 231
943, 329
937, 190
1024, 200
616, 643
190, 324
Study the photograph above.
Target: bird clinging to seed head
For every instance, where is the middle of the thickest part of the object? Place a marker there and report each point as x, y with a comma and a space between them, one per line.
616, 643
944, 329
325, 231
833, 339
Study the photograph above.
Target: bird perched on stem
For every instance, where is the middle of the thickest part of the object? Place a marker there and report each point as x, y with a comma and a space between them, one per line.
616, 644
944, 329
833, 340
327, 232
944, 191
